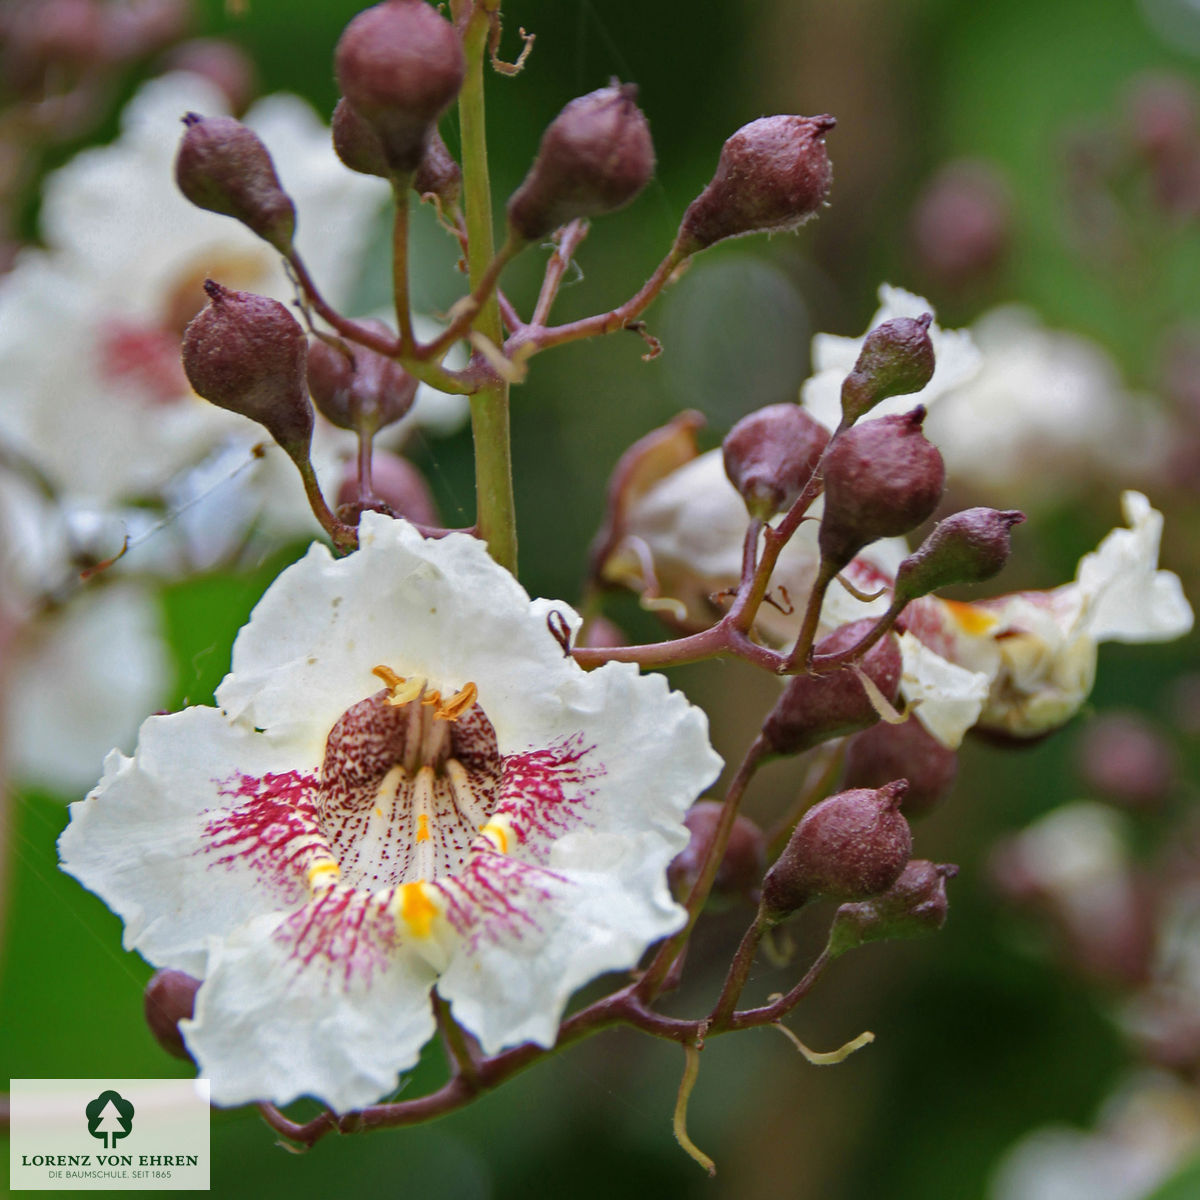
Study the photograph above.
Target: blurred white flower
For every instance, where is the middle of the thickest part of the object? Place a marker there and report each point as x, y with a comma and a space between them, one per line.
1046, 413
1147, 1128
495, 821
956, 359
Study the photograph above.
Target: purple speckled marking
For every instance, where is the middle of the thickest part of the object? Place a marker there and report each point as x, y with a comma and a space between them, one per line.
494, 897
341, 931
274, 833
543, 792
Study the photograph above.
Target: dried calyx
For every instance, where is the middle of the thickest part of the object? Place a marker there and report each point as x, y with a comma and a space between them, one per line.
594, 158
896, 359
968, 547
903, 751
223, 167
742, 864
771, 454
247, 353
814, 708
851, 846
356, 388
400, 65
882, 479
772, 176
914, 906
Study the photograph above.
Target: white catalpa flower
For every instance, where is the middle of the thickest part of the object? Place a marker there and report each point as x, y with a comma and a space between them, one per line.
321, 850
1038, 649
1045, 412
67, 643
956, 360
114, 419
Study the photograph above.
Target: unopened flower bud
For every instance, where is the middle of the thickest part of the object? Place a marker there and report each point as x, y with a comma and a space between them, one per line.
770, 455
742, 865
222, 63
815, 708
905, 751
438, 175
400, 64
967, 547
849, 847
896, 359
247, 353
395, 482
914, 906
170, 997
602, 634
1126, 759
356, 143
594, 158
882, 478
962, 224
356, 388
773, 174
223, 167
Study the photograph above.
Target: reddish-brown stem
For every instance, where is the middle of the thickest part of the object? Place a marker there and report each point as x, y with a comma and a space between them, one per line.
652, 981
566, 242
799, 658
825, 663
739, 971
768, 1014
469, 306
535, 338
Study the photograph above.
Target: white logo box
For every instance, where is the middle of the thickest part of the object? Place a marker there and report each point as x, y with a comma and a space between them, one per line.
109, 1134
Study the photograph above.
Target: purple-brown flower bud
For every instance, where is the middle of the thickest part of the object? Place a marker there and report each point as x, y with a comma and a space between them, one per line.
222, 63
247, 353
882, 478
1127, 760
967, 547
594, 158
396, 483
744, 861
356, 143
815, 708
914, 906
224, 168
905, 751
770, 455
438, 175
356, 388
400, 64
170, 997
896, 359
849, 847
773, 174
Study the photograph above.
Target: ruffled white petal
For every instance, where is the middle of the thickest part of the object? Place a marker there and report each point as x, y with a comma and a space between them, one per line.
81, 682
1127, 598
947, 699
955, 355
140, 841
323, 1002
440, 609
540, 934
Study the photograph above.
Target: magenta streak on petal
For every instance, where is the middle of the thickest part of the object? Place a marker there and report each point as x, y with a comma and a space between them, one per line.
867, 576
542, 792
494, 896
926, 620
272, 834
147, 357
341, 930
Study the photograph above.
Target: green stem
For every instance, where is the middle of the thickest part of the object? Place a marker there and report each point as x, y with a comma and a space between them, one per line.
400, 190
496, 510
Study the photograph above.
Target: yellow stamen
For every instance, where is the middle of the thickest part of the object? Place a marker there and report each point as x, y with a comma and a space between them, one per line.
969, 617
432, 697
323, 873
416, 909
462, 701
388, 676
497, 834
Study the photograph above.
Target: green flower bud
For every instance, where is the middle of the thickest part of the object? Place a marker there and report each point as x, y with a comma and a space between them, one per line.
896, 359
914, 906
967, 547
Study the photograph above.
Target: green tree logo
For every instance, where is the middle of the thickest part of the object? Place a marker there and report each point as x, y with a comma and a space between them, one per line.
109, 1117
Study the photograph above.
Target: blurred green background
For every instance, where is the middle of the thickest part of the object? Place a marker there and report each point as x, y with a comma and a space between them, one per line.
978, 1038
